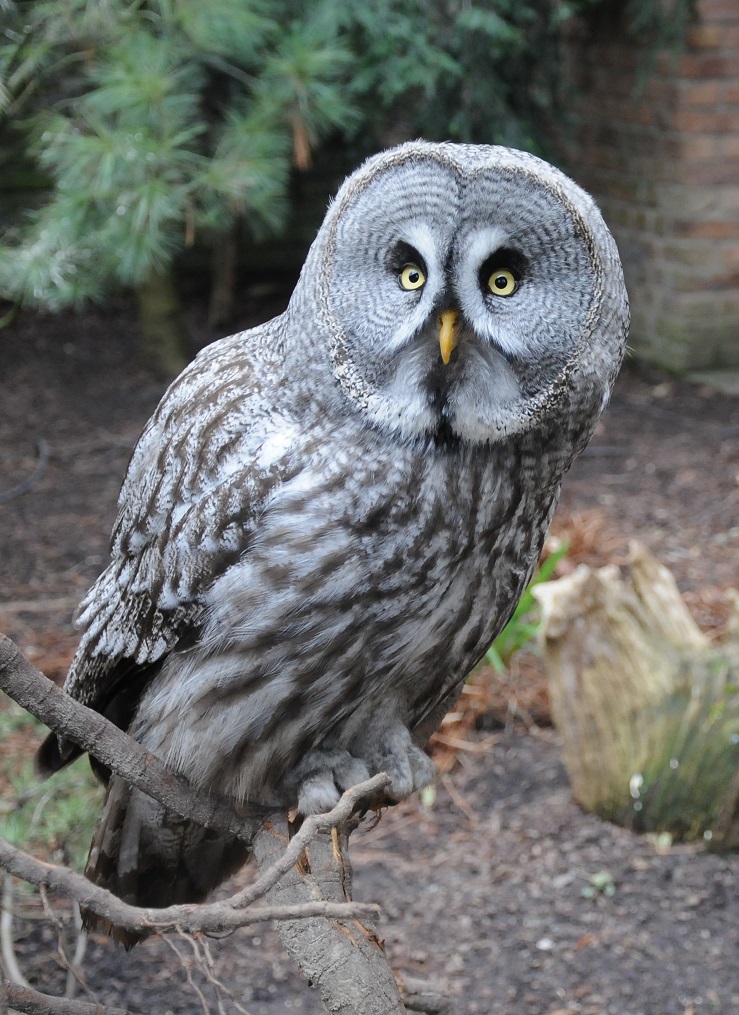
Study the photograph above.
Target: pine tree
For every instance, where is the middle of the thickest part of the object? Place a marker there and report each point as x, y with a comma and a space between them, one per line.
156, 124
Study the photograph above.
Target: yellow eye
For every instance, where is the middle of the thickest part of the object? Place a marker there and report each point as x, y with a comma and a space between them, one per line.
411, 277
502, 282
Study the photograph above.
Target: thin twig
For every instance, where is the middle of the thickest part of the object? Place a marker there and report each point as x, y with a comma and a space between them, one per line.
204, 961
10, 962
459, 800
210, 918
74, 973
188, 973
311, 827
209, 966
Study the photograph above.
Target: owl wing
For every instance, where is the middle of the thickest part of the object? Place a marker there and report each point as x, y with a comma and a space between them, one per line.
192, 496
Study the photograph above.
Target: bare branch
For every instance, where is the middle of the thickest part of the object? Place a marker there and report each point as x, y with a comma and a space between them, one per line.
312, 826
322, 929
31, 1002
94, 733
347, 960
210, 918
9, 961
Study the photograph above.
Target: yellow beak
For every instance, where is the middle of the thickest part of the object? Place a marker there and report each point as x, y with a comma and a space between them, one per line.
448, 333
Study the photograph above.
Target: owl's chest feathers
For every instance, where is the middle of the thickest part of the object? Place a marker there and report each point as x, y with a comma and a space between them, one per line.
367, 574
375, 579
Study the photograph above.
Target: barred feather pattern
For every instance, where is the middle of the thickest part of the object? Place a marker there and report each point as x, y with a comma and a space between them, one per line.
323, 525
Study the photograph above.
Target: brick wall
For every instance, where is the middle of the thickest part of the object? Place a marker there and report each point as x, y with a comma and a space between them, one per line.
663, 163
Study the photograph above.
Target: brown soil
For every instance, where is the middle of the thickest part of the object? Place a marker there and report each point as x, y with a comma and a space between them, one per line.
483, 893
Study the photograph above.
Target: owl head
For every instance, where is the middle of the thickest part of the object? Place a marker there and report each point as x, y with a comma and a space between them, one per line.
465, 290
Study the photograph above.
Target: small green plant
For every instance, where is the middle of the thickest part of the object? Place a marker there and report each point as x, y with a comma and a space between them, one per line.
523, 626
601, 883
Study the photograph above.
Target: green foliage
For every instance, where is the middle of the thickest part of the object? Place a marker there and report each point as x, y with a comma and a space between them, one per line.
658, 23
157, 123
684, 751
478, 72
49, 819
523, 626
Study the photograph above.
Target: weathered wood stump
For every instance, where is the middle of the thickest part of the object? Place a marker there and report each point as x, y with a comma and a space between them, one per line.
647, 707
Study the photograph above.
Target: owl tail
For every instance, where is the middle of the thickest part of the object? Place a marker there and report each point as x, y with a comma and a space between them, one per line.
149, 856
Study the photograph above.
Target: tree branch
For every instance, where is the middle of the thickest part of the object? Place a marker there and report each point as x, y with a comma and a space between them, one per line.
31, 1002
307, 879
209, 918
40, 696
312, 826
346, 961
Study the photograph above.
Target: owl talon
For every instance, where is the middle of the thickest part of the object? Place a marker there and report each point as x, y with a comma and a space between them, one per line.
394, 753
321, 778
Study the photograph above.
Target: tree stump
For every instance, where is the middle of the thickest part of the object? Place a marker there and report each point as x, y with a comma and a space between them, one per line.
647, 707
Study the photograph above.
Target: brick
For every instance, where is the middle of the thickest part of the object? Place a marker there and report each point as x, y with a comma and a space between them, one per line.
691, 255
707, 65
730, 258
730, 37
704, 120
693, 282
729, 198
715, 230
731, 145
701, 173
705, 36
701, 147
699, 307
685, 281
718, 11
663, 163
730, 282
700, 93
683, 202
659, 90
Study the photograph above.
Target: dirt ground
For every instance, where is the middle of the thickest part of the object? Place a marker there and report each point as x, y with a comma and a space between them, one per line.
483, 894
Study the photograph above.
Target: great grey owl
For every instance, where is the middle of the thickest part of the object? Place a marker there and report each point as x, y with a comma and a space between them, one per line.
329, 517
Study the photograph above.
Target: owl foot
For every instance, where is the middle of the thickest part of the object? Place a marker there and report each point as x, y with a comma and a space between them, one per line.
394, 753
324, 773
322, 776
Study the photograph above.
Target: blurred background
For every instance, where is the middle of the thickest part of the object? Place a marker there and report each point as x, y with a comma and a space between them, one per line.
183, 150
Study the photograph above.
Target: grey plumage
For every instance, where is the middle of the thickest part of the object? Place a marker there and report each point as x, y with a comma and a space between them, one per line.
324, 525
